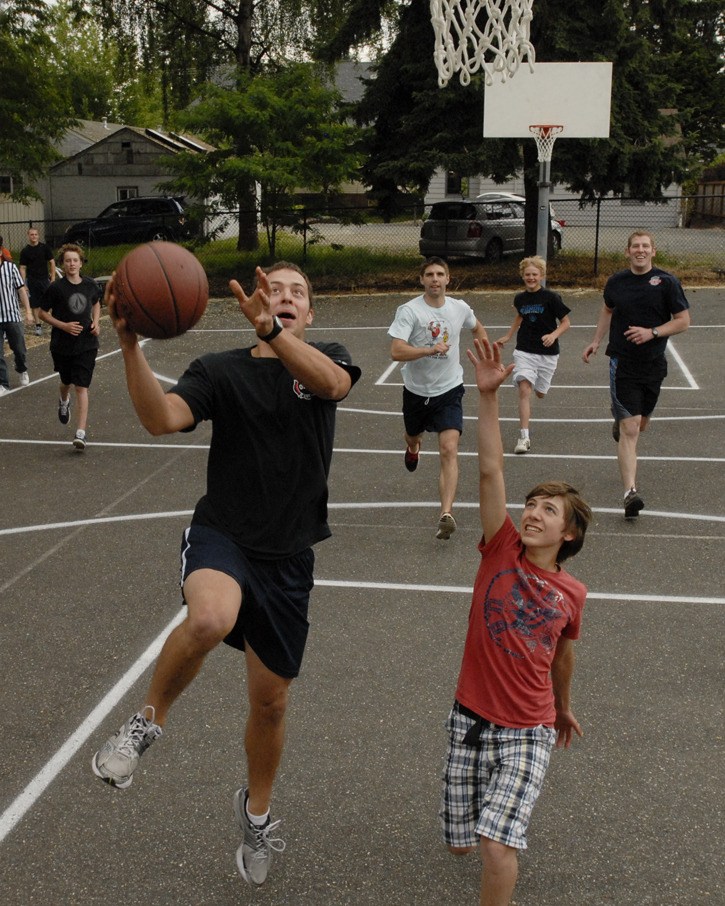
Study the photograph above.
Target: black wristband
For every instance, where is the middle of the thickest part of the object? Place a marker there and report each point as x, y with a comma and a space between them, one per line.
275, 331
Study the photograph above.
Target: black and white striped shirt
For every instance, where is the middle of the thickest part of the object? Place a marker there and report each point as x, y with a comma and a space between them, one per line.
10, 283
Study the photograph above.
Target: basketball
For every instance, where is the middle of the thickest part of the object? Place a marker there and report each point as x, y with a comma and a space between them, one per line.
161, 290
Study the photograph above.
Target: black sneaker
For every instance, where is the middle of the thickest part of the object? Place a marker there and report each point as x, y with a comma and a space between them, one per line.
411, 460
64, 411
615, 431
633, 503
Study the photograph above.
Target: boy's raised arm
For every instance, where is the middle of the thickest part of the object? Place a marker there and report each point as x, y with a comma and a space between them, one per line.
490, 374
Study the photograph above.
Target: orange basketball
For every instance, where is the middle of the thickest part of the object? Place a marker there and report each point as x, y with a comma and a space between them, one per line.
161, 290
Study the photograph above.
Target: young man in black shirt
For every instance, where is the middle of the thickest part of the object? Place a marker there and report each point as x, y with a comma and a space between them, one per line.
247, 561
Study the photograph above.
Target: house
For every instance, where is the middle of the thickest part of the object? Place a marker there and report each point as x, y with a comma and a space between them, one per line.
102, 162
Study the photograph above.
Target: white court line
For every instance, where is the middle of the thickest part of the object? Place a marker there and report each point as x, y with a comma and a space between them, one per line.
42, 780
552, 421
683, 368
37, 786
362, 505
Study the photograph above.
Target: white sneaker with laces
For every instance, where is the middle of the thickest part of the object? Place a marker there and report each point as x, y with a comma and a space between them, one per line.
254, 855
118, 757
523, 445
24, 378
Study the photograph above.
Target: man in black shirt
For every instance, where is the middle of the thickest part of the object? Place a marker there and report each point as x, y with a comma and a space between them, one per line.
643, 306
37, 268
247, 561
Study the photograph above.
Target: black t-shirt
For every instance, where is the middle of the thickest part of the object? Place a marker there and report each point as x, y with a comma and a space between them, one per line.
540, 312
35, 258
641, 300
72, 302
270, 450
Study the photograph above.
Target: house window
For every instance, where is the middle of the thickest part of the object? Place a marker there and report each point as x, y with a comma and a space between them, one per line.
127, 151
124, 192
6, 185
456, 184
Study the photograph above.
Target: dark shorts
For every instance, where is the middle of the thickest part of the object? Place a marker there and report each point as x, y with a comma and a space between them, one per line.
36, 290
433, 413
76, 369
634, 390
275, 596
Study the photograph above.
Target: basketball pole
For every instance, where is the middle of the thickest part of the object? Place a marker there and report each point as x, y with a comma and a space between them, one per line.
543, 216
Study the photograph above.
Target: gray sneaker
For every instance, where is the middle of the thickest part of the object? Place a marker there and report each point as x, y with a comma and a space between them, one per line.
118, 758
446, 527
254, 855
64, 411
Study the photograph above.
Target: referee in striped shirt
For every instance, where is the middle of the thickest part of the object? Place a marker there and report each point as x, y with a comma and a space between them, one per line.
12, 293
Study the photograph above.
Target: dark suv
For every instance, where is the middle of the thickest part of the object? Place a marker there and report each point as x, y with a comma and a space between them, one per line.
134, 220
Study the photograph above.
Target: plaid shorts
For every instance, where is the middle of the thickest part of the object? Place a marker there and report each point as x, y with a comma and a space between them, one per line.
489, 788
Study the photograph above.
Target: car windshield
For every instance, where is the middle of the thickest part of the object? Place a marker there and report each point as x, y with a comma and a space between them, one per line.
453, 210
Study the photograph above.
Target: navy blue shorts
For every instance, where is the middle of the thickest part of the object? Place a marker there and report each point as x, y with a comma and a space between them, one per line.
433, 413
275, 596
635, 390
76, 369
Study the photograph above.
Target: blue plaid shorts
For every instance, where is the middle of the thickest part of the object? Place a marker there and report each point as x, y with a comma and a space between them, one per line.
490, 787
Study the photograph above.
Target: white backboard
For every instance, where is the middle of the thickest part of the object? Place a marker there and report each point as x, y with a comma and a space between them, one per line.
576, 96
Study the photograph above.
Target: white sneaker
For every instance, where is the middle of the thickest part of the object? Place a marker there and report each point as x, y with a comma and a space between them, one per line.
118, 757
3, 390
79, 441
24, 378
254, 855
446, 527
523, 445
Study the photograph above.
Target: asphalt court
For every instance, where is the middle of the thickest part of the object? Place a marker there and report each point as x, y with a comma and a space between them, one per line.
632, 814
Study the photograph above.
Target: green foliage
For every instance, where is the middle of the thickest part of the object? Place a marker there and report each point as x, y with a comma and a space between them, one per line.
34, 109
280, 130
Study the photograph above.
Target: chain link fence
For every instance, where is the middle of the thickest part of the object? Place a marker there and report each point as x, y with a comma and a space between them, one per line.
689, 231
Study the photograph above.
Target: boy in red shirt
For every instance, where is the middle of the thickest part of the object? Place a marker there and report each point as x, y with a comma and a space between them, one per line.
513, 695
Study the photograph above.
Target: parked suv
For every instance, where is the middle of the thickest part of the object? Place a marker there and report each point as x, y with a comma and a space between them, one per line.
489, 227
134, 220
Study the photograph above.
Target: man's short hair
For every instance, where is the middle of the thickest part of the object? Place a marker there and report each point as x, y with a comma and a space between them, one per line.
533, 261
640, 233
434, 260
577, 514
290, 266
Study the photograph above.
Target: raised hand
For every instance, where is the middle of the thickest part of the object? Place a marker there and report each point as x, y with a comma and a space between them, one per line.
490, 371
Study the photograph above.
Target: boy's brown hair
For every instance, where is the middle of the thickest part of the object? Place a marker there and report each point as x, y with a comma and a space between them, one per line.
71, 247
577, 513
640, 233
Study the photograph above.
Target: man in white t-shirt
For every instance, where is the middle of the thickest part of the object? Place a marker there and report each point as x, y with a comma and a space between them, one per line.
426, 334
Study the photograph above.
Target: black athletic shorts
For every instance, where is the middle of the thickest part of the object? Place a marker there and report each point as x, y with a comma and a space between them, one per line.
433, 413
76, 369
635, 389
275, 596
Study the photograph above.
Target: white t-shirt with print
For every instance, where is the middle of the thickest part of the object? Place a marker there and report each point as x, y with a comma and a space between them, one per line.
420, 324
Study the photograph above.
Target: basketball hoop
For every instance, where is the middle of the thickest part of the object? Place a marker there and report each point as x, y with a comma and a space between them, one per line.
467, 30
545, 136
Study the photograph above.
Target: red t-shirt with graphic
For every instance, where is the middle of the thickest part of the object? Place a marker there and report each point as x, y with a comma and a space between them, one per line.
517, 615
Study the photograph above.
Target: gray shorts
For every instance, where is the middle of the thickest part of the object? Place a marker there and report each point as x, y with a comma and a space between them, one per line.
490, 788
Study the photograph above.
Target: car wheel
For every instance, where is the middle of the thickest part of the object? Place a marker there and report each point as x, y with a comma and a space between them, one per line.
159, 236
494, 251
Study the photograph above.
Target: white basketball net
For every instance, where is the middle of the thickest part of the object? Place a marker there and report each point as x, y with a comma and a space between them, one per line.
545, 137
467, 30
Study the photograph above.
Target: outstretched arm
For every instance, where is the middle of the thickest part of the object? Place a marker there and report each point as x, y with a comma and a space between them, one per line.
490, 374
605, 319
562, 670
159, 412
319, 374
511, 331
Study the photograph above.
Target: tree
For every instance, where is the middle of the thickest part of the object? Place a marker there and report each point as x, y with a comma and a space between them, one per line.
34, 109
281, 130
667, 57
